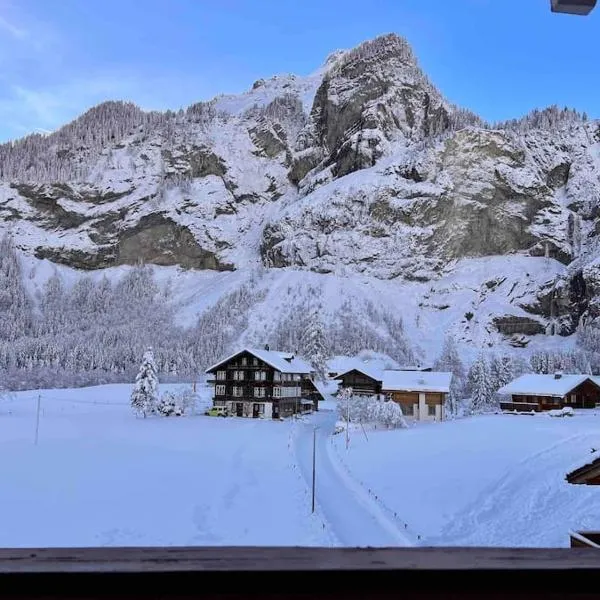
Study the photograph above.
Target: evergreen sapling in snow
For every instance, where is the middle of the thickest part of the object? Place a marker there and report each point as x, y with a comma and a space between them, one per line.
144, 397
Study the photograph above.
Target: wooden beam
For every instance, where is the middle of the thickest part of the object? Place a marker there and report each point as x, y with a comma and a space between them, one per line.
240, 558
333, 573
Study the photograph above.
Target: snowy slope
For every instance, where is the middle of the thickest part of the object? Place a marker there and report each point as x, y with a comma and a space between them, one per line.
494, 480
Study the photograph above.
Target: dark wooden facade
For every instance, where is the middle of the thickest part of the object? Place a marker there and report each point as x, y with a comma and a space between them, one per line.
361, 383
585, 395
252, 394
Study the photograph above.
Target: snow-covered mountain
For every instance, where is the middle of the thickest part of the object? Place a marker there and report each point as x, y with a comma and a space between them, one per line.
361, 177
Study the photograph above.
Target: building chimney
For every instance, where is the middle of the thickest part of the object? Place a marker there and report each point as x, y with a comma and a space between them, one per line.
558, 375
267, 347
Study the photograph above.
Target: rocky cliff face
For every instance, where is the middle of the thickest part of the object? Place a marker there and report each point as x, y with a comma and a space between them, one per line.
362, 167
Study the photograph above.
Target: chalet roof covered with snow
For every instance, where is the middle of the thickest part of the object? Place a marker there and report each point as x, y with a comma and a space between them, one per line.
533, 384
285, 362
416, 381
368, 370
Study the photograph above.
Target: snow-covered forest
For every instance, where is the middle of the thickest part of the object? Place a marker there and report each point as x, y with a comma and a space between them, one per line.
95, 331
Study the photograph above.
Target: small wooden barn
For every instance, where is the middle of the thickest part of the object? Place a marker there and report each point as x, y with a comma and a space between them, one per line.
546, 392
588, 474
362, 380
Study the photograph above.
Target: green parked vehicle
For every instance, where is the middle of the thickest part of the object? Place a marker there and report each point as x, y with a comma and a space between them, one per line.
217, 411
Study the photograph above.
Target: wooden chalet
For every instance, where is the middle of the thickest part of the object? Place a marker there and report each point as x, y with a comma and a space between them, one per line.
421, 394
364, 381
534, 392
588, 474
264, 384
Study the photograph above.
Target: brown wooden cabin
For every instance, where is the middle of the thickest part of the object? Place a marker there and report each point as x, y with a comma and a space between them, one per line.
588, 474
264, 384
539, 393
363, 383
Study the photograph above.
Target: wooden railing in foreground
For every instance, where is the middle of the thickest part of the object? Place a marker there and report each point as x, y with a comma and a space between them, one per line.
335, 573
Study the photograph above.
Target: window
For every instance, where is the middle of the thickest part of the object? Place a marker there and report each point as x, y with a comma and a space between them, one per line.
431, 410
408, 409
276, 392
259, 392
260, 375
238, 390
244, 361
297, 377
220, 390
221, 375
255, 361
276, 376
238, 375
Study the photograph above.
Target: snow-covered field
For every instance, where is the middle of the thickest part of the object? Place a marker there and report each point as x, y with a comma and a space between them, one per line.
99, 476
494, 480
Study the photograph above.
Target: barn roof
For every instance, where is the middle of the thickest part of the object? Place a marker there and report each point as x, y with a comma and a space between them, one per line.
416, 381
544, 385
285, 362
585, 472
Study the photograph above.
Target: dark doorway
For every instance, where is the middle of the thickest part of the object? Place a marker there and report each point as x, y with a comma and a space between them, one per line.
275, 411
239, 409
255, 410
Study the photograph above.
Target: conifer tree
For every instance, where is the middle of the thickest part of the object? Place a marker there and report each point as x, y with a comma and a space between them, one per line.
144, 396
479, 384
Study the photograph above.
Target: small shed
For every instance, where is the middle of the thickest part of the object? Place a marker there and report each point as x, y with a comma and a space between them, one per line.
588, 474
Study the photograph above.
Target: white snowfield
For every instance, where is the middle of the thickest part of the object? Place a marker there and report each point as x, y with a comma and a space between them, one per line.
101, 477
494, 480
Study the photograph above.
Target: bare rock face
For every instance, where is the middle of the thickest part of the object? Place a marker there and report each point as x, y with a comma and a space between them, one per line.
370, 97
155, 240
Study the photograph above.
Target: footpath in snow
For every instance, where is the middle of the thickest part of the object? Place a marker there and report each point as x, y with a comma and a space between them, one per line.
352, 515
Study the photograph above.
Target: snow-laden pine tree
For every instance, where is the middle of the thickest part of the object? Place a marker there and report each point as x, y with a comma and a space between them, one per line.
449, 361
479, 384
314, 343
15, 306
144, 397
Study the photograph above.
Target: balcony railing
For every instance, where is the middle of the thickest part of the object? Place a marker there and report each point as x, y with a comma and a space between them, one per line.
294, 573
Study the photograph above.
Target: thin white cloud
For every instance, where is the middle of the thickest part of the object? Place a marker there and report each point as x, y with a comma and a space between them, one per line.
12, 29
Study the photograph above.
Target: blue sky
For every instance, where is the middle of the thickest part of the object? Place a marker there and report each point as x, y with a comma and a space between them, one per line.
500, 58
